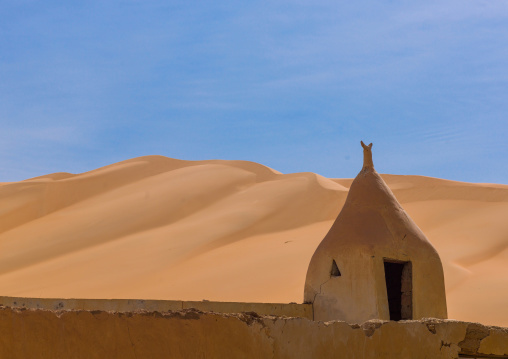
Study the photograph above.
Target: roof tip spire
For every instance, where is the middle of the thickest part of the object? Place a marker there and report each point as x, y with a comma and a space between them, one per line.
367, 156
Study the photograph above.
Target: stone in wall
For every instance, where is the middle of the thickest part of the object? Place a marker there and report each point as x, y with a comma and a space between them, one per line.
30, 333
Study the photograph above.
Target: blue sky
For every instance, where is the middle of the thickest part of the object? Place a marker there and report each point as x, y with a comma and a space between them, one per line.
294, 85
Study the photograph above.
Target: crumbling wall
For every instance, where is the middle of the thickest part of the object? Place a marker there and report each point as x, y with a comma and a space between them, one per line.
130, 305
29, 333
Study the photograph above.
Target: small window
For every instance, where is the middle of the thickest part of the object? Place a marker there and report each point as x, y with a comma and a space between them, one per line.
335, 272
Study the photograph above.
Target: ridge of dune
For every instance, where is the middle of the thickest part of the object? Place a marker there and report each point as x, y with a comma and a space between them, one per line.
159, 228
36, 197
52, 176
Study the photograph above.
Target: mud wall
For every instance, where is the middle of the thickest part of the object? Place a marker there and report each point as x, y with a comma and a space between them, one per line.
130, 305
29, 333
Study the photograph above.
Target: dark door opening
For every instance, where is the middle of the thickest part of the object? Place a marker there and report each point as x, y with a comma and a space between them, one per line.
399, 288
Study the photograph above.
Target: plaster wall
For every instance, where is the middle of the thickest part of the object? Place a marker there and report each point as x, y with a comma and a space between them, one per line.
29, 333
359, 294
130, 305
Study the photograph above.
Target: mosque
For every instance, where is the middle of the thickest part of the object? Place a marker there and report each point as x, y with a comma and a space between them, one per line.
374, 263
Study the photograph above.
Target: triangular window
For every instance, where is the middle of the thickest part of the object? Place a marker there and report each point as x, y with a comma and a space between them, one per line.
335, 272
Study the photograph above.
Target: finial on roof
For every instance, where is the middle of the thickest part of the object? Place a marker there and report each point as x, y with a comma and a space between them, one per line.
367, 156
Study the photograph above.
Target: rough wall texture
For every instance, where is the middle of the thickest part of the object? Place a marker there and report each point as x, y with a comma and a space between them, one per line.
130, 305
29, 333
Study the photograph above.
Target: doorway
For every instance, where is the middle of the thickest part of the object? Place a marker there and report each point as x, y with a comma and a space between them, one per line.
399, 289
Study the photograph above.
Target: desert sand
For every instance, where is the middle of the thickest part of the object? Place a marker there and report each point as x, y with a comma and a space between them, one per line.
160, 228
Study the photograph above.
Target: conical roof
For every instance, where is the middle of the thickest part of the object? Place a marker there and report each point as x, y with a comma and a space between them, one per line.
371, 214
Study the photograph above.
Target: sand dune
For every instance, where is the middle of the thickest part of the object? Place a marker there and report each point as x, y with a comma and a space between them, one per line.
161, 228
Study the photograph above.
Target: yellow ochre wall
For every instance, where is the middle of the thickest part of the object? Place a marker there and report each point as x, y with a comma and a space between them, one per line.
30, 333
130, 305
